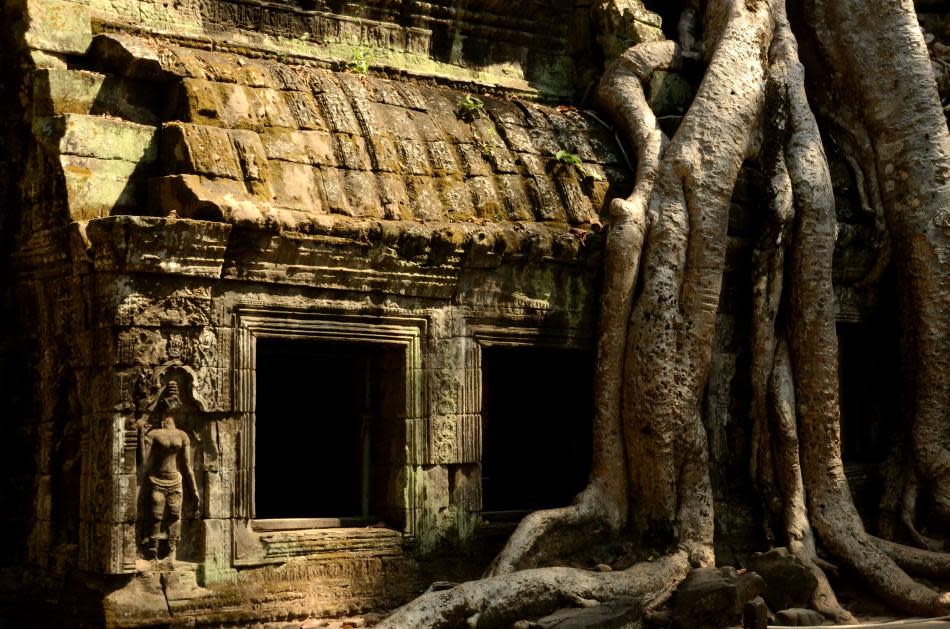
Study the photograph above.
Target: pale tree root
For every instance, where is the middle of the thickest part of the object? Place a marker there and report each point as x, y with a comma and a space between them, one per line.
775, 443
804, 385
502, 600
602, 506
813, 346
649, 442
547, 535
910, 154
801, 537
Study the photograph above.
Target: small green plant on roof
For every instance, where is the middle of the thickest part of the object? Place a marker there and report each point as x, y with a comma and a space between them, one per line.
572, 159
486, 148
359, 60
469, 108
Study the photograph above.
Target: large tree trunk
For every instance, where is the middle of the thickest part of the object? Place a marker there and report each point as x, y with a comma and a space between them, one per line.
877, 49
664, 263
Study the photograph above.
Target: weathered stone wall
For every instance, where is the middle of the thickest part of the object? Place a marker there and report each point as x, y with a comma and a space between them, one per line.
182, 179
178, 200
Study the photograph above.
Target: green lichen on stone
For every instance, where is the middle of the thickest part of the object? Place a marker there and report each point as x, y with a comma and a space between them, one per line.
670, 94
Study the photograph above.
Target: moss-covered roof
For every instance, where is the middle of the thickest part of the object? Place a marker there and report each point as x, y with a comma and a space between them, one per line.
169, 130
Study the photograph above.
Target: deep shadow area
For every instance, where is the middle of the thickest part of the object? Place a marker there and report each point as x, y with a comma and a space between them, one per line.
536, 413
328, 434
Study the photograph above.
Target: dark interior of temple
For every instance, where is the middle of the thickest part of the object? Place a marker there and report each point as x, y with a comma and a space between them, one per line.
325, 419
537, 426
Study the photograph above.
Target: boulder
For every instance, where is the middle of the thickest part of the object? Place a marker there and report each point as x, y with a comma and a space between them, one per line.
788, 581
798, 617
713, 597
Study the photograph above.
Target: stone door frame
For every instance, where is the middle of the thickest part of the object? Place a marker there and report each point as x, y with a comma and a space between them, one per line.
403, 333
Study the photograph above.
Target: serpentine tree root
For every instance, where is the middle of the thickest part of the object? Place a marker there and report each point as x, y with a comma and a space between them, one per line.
664, 263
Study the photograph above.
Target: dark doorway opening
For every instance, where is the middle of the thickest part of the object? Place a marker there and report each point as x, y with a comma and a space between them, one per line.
869, 372
329, 437
536, 414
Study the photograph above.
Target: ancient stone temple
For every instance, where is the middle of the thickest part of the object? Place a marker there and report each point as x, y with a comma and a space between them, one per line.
300, 295
263, 260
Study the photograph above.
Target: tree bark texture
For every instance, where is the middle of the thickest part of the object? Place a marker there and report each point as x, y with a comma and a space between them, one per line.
664, 265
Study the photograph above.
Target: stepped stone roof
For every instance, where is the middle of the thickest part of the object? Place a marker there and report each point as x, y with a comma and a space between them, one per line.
161, 129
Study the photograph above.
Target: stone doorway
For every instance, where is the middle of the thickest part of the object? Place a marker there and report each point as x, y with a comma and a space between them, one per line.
536, 413
329, 437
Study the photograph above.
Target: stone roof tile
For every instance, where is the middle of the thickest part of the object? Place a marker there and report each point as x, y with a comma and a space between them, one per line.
295, 139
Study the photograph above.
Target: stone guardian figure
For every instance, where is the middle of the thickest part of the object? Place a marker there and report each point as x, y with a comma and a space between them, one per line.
166, 457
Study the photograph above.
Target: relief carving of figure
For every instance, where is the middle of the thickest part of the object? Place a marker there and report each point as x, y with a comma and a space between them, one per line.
166, 467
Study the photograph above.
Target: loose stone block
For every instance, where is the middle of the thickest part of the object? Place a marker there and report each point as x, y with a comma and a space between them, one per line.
99, 187
58, 26
351, 151
61, 91
294, 186
362, 193
199, 149
193, 196
98, 137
